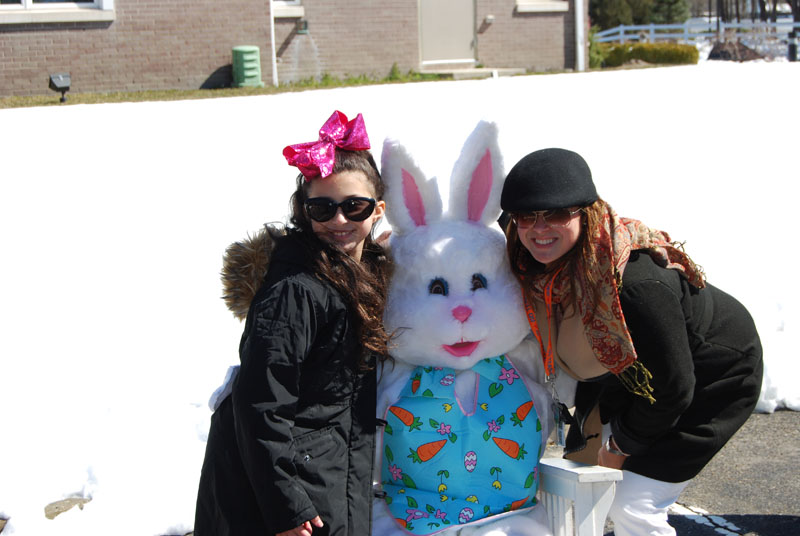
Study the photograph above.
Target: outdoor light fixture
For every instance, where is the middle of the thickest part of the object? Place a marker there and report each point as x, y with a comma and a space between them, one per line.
485, 23
60, 82
301, 26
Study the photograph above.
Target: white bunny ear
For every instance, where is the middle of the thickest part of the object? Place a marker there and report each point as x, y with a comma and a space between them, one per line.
411, 200
477, 179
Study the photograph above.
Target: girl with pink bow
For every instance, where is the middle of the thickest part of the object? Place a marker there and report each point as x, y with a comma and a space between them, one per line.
291, 444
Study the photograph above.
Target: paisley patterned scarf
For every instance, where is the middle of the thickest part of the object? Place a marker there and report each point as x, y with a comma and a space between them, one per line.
604, 324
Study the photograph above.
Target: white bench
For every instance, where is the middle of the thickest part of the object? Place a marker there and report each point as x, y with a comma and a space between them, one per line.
576, 496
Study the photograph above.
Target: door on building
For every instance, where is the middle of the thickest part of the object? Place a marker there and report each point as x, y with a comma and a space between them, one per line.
447, 31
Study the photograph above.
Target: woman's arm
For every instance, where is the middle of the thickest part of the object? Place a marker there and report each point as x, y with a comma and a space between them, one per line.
279, 338
655, 319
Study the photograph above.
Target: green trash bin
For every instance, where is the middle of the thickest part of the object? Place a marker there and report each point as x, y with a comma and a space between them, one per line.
247, 67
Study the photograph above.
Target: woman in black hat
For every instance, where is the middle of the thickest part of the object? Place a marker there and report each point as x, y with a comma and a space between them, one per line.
670, 364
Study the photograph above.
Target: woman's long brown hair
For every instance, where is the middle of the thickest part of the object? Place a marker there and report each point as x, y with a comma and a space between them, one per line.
361, 284
526, 268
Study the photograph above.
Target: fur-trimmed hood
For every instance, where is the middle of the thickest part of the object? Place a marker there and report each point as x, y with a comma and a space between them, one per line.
244, 267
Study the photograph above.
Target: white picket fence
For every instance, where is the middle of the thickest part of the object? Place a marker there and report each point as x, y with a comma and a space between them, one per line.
693, 31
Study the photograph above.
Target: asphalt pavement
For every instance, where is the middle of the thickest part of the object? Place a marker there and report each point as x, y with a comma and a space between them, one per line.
750, 488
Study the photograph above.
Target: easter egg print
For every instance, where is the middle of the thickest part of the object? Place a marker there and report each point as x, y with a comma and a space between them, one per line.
470, 461
448, 379
465, 515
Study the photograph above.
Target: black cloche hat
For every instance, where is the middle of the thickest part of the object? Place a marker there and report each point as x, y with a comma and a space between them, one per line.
548, 179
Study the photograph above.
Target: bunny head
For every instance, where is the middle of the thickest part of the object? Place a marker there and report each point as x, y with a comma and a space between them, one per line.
452, 299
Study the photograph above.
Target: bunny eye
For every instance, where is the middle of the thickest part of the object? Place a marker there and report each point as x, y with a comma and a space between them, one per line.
478, 282
438, 286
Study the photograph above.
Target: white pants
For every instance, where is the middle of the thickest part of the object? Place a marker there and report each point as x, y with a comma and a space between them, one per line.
640, 504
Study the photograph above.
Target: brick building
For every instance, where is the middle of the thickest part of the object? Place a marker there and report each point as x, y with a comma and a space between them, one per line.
121, 45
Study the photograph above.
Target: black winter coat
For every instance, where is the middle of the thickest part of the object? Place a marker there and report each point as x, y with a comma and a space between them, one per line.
704, 353
296, 437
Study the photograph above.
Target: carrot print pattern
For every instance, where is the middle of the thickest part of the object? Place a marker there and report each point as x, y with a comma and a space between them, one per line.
510, 448
406, 417
518, 416
415, 382
516, 505
427, 485
426, 451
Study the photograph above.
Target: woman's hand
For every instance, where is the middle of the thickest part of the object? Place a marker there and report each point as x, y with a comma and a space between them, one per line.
303, 530
606, 459
613, 457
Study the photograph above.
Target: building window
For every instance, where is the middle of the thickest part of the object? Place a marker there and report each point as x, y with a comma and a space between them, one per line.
540, 6
30, 4
43, 11
287, 9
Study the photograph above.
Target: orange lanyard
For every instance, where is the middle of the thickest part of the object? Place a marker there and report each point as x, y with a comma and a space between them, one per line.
547, 356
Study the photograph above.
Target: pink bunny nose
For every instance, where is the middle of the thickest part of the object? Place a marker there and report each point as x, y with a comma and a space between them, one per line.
461, 313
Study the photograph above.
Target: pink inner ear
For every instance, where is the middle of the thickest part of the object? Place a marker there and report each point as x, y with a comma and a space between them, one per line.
479, 188
413, 199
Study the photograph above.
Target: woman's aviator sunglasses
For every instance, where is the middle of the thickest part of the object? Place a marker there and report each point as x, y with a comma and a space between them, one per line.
322, 209
559, 217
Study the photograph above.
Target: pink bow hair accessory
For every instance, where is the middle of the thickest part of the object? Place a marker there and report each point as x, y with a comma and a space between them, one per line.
316, 158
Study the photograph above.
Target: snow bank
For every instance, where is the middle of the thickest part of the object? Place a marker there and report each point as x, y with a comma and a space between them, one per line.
114, 335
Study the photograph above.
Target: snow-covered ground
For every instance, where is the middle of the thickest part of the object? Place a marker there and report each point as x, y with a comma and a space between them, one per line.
114, 219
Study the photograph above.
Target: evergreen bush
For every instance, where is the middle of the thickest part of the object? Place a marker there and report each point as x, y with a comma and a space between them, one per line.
656, 53
670, 12
597, 51
611, 13
616, 55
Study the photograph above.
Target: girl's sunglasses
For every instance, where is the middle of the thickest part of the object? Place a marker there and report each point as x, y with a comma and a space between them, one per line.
559, 217
322, 209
